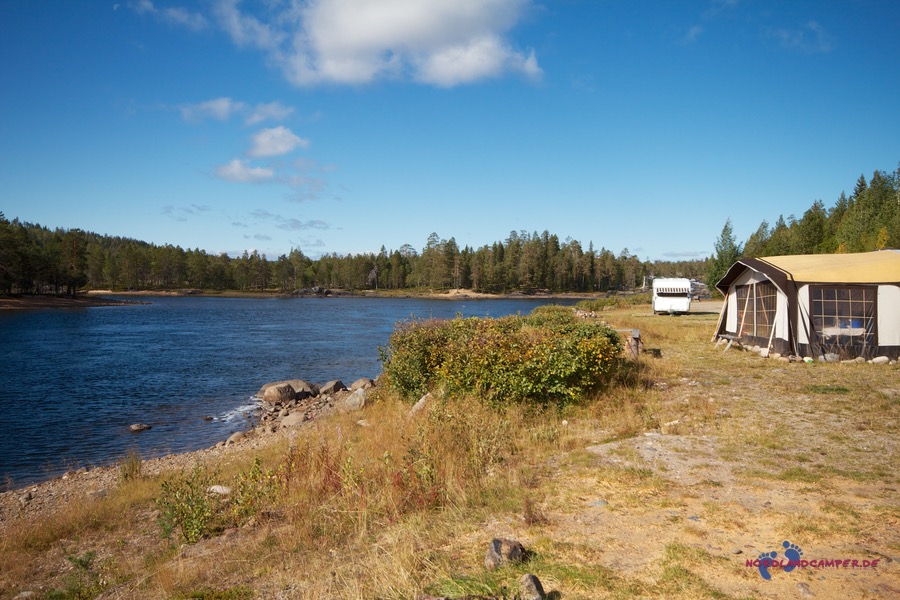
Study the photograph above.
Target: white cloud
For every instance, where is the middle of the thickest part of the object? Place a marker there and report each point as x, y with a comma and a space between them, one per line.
297, 225
173, 15
811, 37
439, 42
478, 59
693, 33
220, 109
184, 18
272, 110
237, 170
246, 30
275, 142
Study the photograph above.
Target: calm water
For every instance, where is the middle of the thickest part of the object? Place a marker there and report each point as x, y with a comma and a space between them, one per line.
73, 380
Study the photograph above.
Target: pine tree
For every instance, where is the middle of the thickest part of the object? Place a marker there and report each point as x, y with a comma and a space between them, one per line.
728, 251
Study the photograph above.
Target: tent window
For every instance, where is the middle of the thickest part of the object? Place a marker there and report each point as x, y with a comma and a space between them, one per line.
766, 298
844, 318
756, 309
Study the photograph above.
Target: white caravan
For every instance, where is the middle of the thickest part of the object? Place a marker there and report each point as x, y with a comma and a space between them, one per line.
671, 295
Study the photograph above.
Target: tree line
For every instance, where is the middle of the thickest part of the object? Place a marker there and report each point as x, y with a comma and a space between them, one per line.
36, 259
869, 219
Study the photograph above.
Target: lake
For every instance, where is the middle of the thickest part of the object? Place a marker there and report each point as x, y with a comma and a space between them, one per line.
73, 380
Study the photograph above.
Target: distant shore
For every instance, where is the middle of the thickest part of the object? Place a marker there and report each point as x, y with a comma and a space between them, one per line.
39, 301
100, 297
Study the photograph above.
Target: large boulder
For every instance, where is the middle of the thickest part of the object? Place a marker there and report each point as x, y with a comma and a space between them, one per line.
332, 386
301, 387
363, 383
355, 401
280, 393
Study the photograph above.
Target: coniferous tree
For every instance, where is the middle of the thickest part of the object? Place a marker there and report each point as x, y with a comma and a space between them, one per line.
728, 251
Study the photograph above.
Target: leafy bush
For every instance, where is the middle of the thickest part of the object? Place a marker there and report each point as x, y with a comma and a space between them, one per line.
548, 356
253, 491
185, 503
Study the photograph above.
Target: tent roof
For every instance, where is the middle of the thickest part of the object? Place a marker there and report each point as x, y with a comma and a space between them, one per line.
881, 266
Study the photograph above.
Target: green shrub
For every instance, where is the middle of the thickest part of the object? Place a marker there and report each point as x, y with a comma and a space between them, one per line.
548, 356
185, 503
254, 490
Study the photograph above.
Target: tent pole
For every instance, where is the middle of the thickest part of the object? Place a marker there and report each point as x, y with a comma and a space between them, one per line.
744, 316
765, 353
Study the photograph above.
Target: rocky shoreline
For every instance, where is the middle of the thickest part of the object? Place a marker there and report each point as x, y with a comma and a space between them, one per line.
284, 405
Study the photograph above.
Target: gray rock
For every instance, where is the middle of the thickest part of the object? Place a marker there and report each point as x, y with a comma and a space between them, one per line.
530, 588
24, 595
98, 494
363, 383
356, 400
303, 388
279, 393
421, 404
293, 420
234, 438
219, 490
138, 427
880, 360
804, 590
332, 386
829, 357
502, 551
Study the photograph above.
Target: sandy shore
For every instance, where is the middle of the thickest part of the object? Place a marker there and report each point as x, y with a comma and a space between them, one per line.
27, 301
101, 297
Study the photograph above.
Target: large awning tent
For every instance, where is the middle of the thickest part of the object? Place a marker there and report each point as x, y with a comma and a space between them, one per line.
844, 305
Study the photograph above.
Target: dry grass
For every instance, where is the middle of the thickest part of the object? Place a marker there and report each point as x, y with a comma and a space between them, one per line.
743, 453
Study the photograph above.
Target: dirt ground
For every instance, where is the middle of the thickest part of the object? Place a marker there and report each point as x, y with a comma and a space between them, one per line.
752, 456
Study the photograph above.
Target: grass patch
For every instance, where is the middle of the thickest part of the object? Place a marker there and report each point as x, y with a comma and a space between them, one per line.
826, 389
799, 474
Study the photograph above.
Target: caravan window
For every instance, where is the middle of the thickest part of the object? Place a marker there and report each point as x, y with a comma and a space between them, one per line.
756, 309
844, 317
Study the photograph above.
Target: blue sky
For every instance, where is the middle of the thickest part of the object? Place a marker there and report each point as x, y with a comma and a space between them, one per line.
345, 125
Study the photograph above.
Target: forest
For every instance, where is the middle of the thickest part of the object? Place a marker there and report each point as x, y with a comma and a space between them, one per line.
869, 219
36, 259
